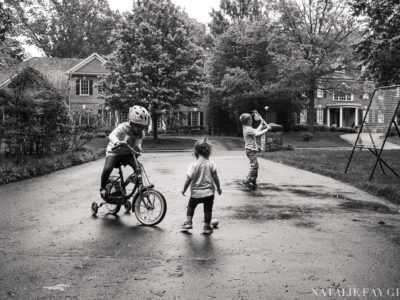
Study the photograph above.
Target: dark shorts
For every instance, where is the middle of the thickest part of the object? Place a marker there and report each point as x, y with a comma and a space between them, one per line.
208, 205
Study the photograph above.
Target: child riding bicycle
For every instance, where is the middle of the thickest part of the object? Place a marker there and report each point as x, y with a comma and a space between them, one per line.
127, 133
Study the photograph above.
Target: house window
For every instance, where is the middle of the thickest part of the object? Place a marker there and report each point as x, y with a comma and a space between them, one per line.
320, 93
195, 118
84, 87
303, 117
320, 115
342, 97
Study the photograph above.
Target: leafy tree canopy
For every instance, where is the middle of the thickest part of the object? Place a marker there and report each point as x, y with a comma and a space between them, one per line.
74, 28
380, 46
11, 51
314, 39
234, 12
156, 63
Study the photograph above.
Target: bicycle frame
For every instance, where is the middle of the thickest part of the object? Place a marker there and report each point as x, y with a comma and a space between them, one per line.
139, 178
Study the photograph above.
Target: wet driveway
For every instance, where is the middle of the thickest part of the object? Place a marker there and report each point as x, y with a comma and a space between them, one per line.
297, 235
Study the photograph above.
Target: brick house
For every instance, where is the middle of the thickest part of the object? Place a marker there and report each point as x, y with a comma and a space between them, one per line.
340, 100
78, 80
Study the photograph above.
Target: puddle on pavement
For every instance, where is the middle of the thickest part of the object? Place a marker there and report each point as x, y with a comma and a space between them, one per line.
305, 224
366, 205
268, 212
314, 194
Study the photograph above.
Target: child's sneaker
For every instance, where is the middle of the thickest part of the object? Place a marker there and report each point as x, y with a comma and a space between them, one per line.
207, 229
187, 225
103, 193
253, 185
248, 185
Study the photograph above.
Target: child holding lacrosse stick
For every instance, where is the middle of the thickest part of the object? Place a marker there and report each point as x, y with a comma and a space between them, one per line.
202, 176
249, 135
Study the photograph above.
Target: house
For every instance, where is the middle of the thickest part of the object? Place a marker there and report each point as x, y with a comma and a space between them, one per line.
78, 79
340, 100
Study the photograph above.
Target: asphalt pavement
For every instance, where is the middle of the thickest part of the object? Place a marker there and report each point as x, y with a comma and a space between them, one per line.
298, 236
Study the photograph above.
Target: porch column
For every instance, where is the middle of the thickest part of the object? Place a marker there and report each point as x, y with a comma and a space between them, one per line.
328, 117
341, 117
356, 117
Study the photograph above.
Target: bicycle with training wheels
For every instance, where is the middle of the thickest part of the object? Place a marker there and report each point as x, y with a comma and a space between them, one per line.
148, 204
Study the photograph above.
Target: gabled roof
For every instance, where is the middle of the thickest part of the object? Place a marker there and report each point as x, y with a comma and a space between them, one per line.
53, 68
85, 62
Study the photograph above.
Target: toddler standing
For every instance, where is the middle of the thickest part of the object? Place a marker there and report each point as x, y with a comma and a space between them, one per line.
203, 178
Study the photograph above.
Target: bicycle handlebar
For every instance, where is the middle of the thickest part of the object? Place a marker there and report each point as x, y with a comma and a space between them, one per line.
129, 147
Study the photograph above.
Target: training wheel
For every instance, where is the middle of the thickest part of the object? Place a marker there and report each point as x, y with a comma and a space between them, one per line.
128, 206
95, 208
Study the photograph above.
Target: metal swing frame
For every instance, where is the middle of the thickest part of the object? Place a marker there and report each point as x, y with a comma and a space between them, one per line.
377, 152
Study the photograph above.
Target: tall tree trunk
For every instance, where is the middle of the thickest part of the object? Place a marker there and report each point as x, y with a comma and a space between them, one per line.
311, 108
155, 119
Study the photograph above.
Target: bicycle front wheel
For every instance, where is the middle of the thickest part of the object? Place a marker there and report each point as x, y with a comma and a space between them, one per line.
150, 207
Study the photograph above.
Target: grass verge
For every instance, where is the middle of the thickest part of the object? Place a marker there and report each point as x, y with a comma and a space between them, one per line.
332, 163
23, 167
321, 139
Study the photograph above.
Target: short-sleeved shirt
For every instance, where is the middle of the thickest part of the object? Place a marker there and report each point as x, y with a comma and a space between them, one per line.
249, 134
200, 172
123, 132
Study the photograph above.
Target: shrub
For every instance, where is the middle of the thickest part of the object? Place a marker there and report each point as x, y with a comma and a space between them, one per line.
346, 129
37, 117
307, 136
300, 127
321, 127
304, 127
101, 135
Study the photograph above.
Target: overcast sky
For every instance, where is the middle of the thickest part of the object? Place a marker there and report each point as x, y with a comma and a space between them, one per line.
197, 9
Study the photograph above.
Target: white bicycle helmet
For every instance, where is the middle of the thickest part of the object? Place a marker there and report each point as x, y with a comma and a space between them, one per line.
139, 115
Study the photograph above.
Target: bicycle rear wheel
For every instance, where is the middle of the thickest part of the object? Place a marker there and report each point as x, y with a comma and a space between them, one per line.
114, 189
150, 207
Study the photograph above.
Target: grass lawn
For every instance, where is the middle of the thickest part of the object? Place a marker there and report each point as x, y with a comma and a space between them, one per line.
321, 139
332, 163
162, 143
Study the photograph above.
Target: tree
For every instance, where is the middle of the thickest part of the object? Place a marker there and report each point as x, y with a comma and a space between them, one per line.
234, 12
380, 46
74, 28
156, 63
314, 39
11, 51
37, 117
242, 71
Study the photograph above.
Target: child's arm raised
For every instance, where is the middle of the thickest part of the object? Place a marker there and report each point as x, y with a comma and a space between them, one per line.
260, 131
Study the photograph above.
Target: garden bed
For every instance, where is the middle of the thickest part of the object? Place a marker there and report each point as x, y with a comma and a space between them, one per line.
24, 167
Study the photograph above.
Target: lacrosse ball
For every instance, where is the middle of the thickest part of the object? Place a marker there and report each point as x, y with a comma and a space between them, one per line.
214, 222
266, 108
